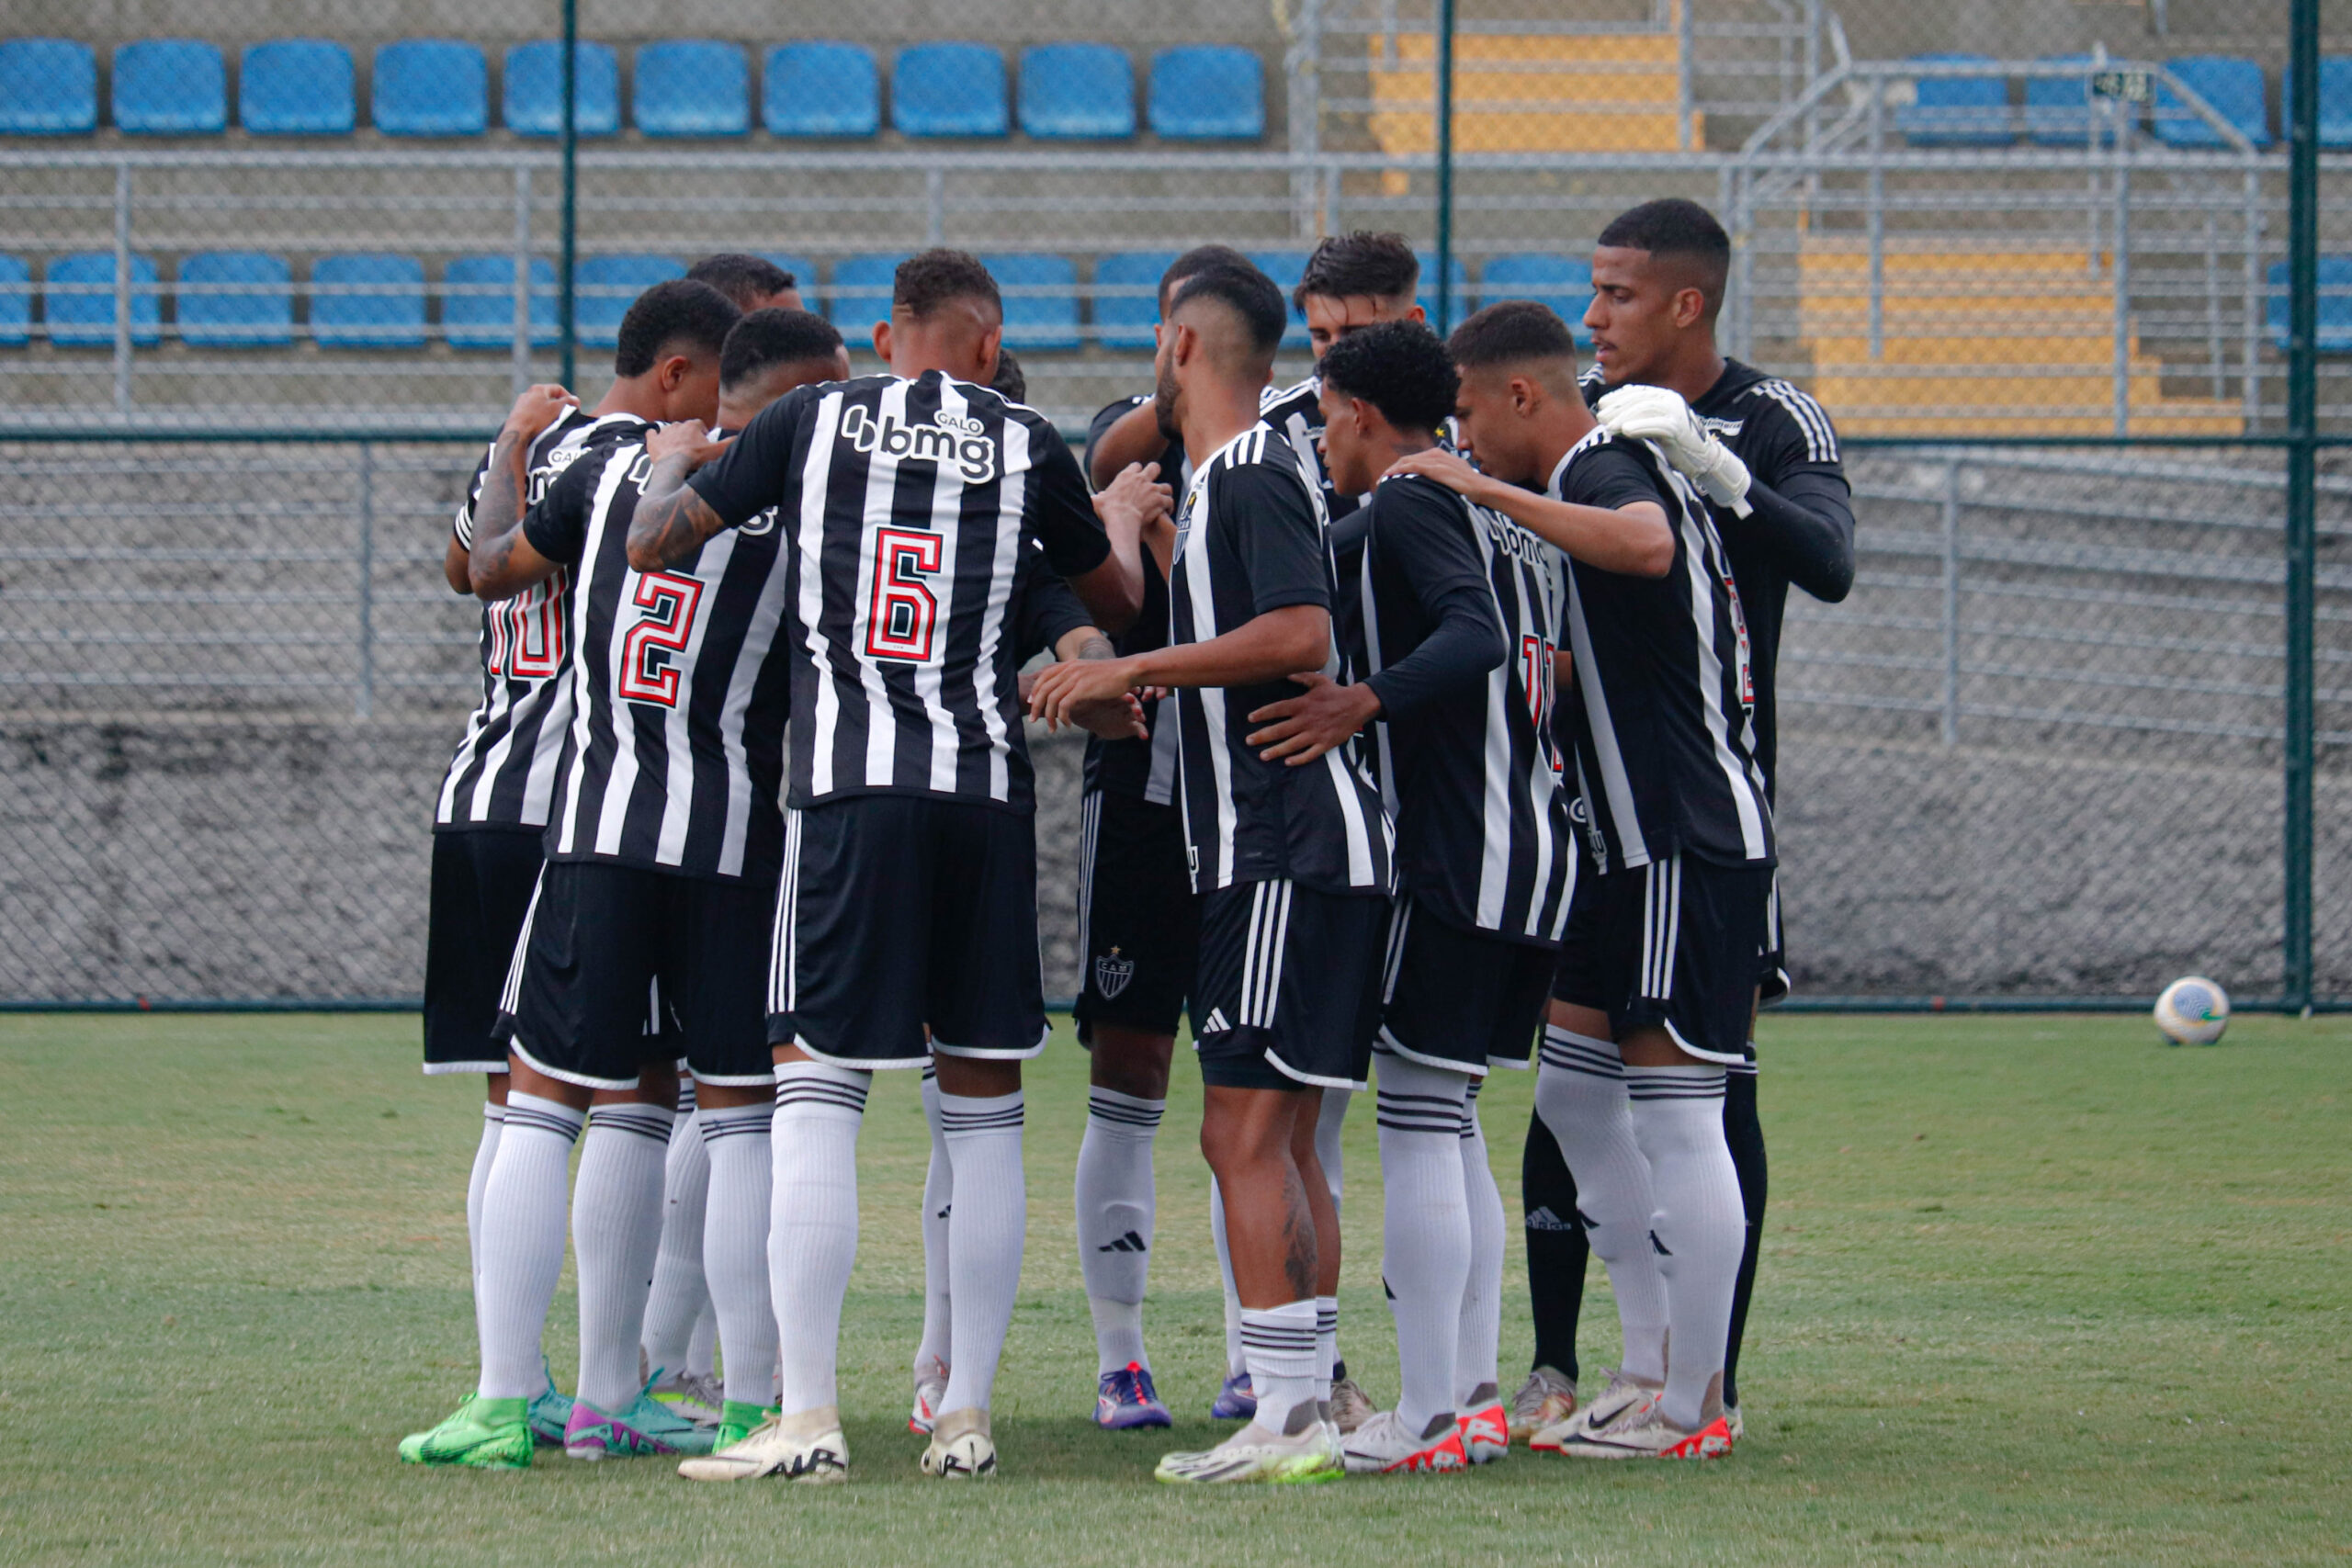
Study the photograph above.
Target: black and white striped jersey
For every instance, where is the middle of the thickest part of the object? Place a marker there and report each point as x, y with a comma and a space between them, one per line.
1296, 414
1468, 767
904, 506
674, 757
503, 774
1664, 748
1251, 540
1145, 769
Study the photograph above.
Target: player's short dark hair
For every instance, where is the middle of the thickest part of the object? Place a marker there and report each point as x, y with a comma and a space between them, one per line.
746, 280
766, 339
1009, 382
1510, 333
1400, 368
931, 278
1250, 293
681, 314
1675, 227
1200, 258
1345, 265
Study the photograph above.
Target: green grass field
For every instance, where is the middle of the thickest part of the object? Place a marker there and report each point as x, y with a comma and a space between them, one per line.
2036, 1290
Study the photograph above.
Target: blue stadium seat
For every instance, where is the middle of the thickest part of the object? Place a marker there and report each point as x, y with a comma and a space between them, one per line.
1040, 299
1957, 111
1076, 91
367, 300
170, 86
533, 90
1425, 296
860, 294
478, 302
605, 286
2232, 86
1127, 297
949, 89
804, 275
48, 86
235, 299
822, 89
16, 302
1285, 267
1564, 283
1208, 92
427, 87
2058, 109
296, 86
2335, 304
693, 87
2335, 102
78, 301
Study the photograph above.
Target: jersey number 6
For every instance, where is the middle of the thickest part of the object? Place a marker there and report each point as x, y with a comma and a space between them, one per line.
902, 620
660, 636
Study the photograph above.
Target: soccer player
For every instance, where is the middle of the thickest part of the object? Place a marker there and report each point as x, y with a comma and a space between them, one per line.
1291, 864
1764, 455
1657, 966
753, 283
1462, 611
906, 927
667, 366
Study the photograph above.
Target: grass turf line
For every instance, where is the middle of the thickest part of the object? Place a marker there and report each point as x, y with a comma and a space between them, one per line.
2036, 1288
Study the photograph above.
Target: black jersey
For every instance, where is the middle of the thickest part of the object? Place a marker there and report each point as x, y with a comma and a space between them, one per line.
1297, 413
1468, 769
1665, 751
906, 506
674, 759
1249, 541
1145, 768
503, 774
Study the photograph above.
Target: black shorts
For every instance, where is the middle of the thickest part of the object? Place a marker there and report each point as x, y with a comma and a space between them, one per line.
612, 955
1137, 920
1463, 1000
1773, 985
482, 879
899, 912
1289, 989
1674, 944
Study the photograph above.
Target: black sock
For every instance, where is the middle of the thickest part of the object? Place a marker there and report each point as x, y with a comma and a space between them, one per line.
1556, 1249
1744, 1134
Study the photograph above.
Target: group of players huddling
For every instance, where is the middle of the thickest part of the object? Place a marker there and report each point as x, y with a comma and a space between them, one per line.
1430, 706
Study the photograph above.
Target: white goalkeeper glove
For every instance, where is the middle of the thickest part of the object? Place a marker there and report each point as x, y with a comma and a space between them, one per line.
1660, 414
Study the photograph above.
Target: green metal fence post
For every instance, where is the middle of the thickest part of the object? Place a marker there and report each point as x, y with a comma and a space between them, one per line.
2302, 342
563, 306
1444, 166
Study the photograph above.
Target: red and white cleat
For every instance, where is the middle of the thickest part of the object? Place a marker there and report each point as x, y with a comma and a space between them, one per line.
1382, 1447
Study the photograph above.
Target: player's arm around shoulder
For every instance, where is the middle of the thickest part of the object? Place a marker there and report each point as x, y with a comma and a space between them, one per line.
1631, 536
672, 520
499, 565
1802, 504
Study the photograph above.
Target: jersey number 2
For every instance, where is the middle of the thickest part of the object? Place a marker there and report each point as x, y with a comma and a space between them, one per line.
659, 636
902, 621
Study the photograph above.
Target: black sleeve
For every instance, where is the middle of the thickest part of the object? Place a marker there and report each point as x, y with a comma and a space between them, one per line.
1061, 509
1422, 531
1045, 610
1611, 476
1805, 525
757, 471
557, 524
1266, 513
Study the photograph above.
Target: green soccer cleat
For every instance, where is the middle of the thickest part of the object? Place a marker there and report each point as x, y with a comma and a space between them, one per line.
736, 1420
483, 1434
551, 1411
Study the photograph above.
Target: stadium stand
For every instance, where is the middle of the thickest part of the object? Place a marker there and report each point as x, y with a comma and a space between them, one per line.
1285, 267
604, 288
860, 294
949, 89
2058, 109
48, 86
1127, 297
2335, 102
1207, 93
803, 271
478, 302
1459, 298
1077, 92
367, 300
78, 301
235, 299
1564, 283
534, 89
2334, 305
1957, 111
16, 302
1040, 299
692, 87
2233, 86
296, 86
430, 87
170, 86
820, 89
1591, 92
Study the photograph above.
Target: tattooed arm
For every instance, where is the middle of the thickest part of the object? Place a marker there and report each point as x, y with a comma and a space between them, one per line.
672, 521
502, 563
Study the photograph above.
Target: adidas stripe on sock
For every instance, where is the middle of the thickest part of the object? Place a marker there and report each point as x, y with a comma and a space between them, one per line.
1116, 1208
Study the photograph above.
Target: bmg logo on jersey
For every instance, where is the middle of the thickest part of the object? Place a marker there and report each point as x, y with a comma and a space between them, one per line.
948, 438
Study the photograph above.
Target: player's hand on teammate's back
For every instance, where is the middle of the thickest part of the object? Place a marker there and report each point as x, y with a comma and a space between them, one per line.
540, 406
1660, 414
1437, 463
1136, 498
1299, 729
688, 438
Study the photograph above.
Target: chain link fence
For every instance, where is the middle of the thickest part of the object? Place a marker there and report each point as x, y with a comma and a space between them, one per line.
262, 294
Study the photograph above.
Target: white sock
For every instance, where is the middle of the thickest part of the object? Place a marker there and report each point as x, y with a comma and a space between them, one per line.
1677, 1114
735, 1246
938, 1201
1327, 1345
493, 1121
1116, 1207
702, 1350
812, 1226
522, 1240
680, 1293
1280, 1343
615, 1234
1235, 1363
1425, 1229
1581, 1094
986, 1232
1328, 1119
1477, 1355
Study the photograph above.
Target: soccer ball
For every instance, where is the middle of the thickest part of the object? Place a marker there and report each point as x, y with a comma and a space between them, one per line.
2193, 1011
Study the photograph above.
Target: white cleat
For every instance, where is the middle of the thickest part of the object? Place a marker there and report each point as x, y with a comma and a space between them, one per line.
1545, 1399
1625, 1401
961, 1449
1307, 1452
1653, 1437
1351, 1406
931, 1387
807, 1447
1485, 1424
1733, 1423
695, 1396
1382, 1445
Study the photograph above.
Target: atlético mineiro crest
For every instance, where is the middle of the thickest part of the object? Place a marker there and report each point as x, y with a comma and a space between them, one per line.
1112, 974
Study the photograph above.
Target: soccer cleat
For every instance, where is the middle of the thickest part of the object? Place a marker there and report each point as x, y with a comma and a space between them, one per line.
807, 1447
1301, 1457
1351, 1406
549, 1410
481, 1434
1127, 1400
961, 1449
1485, 1424
1622, 1402
1652, 1436
647, 1426
1733, 1423
697, 1397
931, 1387
1235, 1401
735, 1422
1383, 1446
1545, 1399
